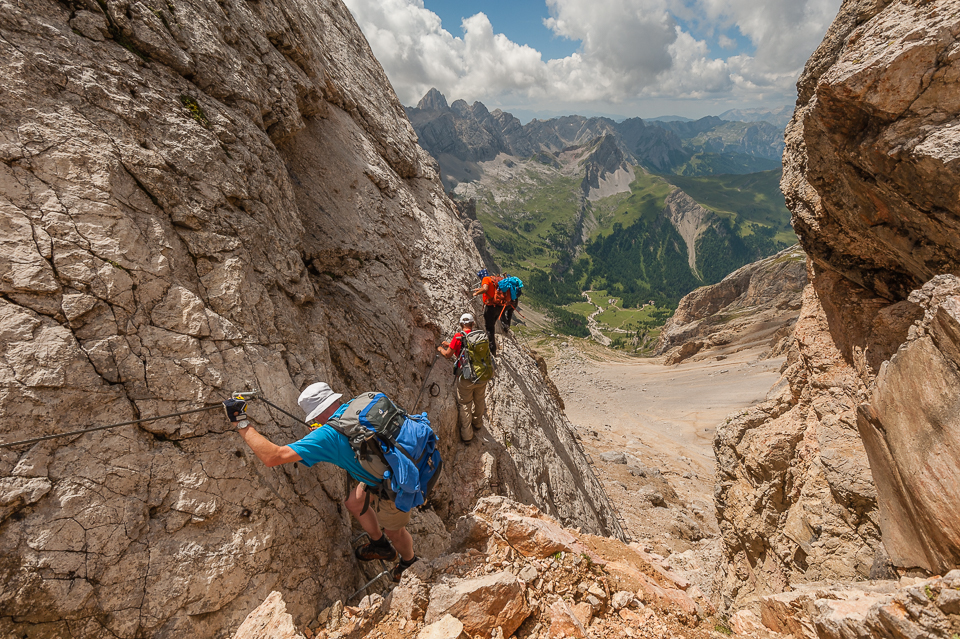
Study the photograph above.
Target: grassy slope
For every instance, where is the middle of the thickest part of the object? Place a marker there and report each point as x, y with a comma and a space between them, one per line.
530, 225
745, 200
646, 199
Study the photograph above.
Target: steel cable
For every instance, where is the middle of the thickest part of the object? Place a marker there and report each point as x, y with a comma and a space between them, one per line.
96, 428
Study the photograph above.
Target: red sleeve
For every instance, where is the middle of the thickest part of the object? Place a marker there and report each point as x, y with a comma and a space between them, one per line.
456, 344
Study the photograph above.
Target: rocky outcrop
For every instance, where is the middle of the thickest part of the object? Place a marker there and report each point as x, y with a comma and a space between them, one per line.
795, 498
879, 610
869, 170
757, 304
911, 433
514, 572
197, 199
606, 171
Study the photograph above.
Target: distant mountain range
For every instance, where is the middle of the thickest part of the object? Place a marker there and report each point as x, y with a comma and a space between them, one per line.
458, 135
777, 117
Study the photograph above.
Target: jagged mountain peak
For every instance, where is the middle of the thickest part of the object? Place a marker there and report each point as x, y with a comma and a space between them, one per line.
433, 101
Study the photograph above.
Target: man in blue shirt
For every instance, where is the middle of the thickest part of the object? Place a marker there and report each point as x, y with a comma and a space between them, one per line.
326, 444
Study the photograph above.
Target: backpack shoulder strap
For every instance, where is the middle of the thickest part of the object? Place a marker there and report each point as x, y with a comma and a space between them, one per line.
334, 420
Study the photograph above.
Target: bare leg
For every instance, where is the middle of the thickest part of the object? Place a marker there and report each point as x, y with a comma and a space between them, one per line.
368, 520
402, 541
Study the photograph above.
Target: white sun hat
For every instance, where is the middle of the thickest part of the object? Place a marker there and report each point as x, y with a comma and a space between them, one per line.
317, 398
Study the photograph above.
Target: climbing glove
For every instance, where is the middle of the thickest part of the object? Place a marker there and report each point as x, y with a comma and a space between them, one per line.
236, 410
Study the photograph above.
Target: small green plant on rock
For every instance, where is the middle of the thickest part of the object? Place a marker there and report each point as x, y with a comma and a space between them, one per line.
196, 112
723, 628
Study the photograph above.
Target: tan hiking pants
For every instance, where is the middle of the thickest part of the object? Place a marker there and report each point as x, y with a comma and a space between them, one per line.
472, 403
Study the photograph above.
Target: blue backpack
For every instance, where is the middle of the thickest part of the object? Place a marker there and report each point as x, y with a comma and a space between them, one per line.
511, 285
388, 443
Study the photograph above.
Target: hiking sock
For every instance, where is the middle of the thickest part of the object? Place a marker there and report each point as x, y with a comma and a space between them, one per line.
403, 565
383, 542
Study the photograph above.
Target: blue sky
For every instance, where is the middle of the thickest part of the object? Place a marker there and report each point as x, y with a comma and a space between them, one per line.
621, 58
520, 21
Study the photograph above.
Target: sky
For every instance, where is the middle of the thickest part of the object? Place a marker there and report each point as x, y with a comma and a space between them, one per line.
620, 58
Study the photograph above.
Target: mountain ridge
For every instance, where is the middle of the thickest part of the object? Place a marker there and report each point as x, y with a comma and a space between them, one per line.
472, 133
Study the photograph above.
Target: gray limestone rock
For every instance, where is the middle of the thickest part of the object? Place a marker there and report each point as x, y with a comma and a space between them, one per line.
614, 457
218, 197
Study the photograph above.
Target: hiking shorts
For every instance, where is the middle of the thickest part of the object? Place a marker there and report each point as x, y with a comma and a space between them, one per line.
387, 513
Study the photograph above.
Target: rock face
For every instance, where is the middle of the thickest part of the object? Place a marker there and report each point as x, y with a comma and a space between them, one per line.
870, 174
196, 199
756, 304
912, 435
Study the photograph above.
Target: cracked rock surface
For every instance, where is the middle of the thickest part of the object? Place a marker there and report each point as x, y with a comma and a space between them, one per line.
831, 478
197, 198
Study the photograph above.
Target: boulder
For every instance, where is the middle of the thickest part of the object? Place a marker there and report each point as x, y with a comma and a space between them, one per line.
482, 604
622, 599
269, 620
537, 537
448, 627
614, 457
564, 622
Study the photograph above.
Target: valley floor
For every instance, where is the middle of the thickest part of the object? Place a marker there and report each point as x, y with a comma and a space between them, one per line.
649, 429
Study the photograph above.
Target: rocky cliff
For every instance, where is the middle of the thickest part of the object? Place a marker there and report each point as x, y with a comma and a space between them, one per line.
197, 198
852, 460
756, 305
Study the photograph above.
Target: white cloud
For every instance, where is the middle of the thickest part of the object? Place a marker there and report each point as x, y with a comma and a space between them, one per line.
631, 51
625, 40
784, 32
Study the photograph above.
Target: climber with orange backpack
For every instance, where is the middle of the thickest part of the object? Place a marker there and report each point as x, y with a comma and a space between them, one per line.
497, 305
473, 369
392, 455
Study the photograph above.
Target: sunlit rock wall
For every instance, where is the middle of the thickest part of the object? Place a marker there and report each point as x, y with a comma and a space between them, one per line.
195, 198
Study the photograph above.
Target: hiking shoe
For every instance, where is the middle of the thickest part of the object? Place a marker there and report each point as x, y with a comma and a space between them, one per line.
401, 566
371, 551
